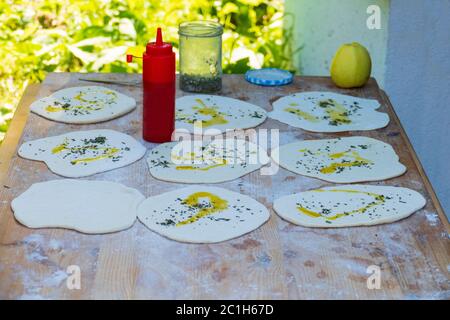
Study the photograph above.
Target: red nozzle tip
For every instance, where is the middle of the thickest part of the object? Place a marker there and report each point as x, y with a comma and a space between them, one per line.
159, 39
129, 58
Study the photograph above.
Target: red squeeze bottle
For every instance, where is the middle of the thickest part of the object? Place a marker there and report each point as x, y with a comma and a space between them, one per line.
158, 78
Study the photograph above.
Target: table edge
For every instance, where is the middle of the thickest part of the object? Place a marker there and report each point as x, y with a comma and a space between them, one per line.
14, 133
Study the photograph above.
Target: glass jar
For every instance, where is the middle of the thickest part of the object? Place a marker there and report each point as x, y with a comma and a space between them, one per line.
200, 52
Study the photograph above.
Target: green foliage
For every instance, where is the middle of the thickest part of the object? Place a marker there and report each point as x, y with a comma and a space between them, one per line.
43, 36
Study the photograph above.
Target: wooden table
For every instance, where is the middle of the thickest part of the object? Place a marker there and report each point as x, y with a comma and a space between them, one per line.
277, 261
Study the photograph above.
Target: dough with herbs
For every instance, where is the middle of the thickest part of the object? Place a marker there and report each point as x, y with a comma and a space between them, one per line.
341, 160
349, 205
328, 112
202, 214
82, 205
83, 153
81, 105
205, 112
205, 161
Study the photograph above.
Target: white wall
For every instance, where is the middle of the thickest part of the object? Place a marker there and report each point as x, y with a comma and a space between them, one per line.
418, 83
322, 26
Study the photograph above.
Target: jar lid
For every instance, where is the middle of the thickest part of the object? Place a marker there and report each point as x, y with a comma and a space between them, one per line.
269, 76
200, 29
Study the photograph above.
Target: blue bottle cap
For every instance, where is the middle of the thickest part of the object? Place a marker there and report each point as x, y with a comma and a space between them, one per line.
269, 76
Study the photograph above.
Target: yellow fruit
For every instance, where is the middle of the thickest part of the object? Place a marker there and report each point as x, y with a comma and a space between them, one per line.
351, 66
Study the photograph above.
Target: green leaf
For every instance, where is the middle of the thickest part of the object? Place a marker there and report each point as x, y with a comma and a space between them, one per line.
37, 37
239, 67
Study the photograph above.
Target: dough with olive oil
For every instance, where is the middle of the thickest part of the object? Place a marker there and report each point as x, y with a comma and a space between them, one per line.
328, 112
202, 214
82, 205
82, 105
205, 161
84, 153
200, 111
349, 206
341, 160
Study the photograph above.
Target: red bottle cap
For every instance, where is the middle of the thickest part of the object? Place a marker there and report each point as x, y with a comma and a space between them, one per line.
158, 48
158, 61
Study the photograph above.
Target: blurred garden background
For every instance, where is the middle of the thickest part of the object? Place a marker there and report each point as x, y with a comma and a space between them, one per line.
42, 36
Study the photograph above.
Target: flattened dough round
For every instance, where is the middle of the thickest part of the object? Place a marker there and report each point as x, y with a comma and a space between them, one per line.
83, 153
201, 214
82, 105
82, 205
349, 206
216, 112
205, 162
328, 112
341, 160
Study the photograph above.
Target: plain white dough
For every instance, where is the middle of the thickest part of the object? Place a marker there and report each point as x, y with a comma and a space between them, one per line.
205, 162
328, 112
183, 214
341, 160
82, 205
82, 105
216, 112
83, 153
349, 205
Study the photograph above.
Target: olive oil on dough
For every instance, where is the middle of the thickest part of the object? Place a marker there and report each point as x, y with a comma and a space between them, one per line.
83, 153
342, 160
328, 112
206, 162
349, 205
83, 105
202, 214
216, 112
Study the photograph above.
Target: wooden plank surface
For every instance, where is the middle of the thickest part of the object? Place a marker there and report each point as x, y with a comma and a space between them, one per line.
9, 144
277, 261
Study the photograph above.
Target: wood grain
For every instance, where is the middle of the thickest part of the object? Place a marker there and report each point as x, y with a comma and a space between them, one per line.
9, 144
277, 261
